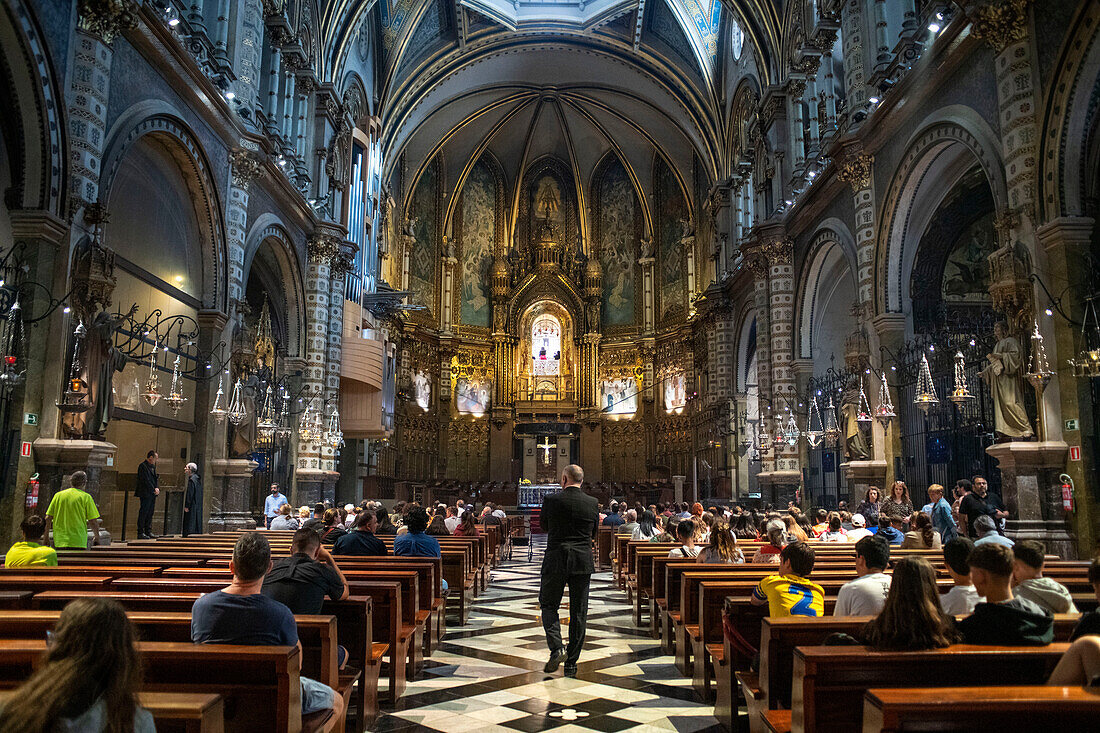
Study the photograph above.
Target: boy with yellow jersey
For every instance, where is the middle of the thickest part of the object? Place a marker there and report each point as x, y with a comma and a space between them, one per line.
790, 592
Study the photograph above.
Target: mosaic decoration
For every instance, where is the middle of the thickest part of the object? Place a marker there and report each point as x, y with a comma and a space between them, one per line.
423, 269
617, 256
673, 226
478, 235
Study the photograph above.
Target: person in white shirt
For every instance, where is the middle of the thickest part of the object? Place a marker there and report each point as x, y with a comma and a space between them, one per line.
961, 599
859, 529
452, 520
685, 532
866, 595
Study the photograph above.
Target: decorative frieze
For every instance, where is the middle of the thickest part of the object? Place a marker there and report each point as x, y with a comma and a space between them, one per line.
856, 170
1001, 23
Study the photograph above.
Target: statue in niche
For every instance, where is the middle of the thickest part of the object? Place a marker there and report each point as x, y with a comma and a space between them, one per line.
100, 360
409, 230
1003, 377
647, 248
856, 446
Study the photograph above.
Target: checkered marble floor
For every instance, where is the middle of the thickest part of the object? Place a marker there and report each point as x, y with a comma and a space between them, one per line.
487, 675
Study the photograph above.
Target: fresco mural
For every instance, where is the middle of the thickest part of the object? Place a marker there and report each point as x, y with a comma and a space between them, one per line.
619, 396
617, 246
479, 197
424, 221
966, 273
472, 396
673, 226
422, 390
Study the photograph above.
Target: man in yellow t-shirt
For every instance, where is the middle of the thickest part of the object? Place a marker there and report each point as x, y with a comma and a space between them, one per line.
790, 592
30, 551
72, 513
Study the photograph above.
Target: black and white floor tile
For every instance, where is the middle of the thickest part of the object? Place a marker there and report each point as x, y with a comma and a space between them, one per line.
487, 676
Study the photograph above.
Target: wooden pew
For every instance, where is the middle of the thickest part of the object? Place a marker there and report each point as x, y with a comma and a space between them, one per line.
260, 685
964, 709
178, 712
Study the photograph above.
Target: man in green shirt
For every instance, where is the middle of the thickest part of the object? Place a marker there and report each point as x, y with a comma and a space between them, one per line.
30, 551
72, 513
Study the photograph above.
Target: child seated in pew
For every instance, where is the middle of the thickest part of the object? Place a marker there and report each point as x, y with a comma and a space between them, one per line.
866, 595
790, 592
1003, 618
1028, 581
911, 619
960, 600
241, 614
723, 547
776, 531
1090, 622
833, 531
89, 679
31, 551
685, 533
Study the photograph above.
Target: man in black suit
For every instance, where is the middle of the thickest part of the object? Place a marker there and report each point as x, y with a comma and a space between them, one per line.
570, 519
146, 491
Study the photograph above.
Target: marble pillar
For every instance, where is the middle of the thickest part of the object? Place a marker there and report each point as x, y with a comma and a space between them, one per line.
229, 487
1032, 493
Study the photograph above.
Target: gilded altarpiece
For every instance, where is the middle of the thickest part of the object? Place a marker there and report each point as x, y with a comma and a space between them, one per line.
468, 433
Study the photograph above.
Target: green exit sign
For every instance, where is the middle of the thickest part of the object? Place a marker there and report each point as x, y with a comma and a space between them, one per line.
1071, 424
30, 418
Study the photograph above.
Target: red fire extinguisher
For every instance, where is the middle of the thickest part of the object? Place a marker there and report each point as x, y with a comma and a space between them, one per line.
1067, 492
32, 492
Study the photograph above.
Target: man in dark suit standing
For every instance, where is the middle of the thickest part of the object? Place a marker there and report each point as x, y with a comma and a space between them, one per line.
570, 519
147, 491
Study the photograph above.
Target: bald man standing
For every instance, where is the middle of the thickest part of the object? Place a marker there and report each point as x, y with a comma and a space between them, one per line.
570, 519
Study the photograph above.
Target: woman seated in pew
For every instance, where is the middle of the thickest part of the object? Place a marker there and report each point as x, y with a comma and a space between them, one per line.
438, 526
283, 520
467, 526
685, 532
647, 528
922, 536
776, 532
794, 530
834, 532
89, 680
723, 547
744, 527
385, 522
912, 619
332, 530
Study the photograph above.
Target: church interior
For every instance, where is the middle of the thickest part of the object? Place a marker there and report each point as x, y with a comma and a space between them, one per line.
762, 255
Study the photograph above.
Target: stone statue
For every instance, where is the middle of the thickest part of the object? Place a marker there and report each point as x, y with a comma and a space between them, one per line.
1003, 377
856, 446
647, 248
100, 360
410, 227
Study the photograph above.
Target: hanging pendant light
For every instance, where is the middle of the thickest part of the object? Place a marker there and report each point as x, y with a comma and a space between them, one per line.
1039, 373
791, 434
864, 413
265, 425
813, 436
884, 413
283, 429
960, 393
832, 429
176, 398
131, 396
926, 391
151, 393
218, 411
236, 412
13, 346
75, 398
334, 437
765, 439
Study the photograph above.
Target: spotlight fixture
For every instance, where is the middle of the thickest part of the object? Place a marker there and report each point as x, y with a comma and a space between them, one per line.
874, 100
934, 27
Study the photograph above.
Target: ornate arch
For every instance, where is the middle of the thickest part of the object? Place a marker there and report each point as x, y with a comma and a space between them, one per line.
545, 287
35, 128
184, 147
831, 245
1068, 142
267, 228
948, 129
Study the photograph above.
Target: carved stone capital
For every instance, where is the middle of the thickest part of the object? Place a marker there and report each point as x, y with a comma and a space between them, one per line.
107, 19
779, 251
1001, 23
757, 266
322, 248
246, 167
856, 170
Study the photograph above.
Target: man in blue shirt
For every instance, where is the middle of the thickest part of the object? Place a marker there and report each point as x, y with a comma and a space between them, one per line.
241, 614
415, 543
615, 518
272, 504
887, 531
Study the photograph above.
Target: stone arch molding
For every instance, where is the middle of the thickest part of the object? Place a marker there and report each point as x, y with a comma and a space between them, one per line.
832, 241
950, 126
267, 228
192, 159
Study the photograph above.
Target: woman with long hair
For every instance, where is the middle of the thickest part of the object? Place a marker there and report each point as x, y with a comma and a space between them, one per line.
744, 528
898, 504
647, 527
794, 529
723, 546
912, 619
704, 525
922, 536
437, 527
89, 679
834, 531
776, 532
467, 527
385, 522
332, 530
870, 506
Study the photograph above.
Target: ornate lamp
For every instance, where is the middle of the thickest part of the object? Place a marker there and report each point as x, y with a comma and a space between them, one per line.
765, 443
151, 393
1038, 368
265, 425
236, 412
884, 413
813, 436
176, 398
832, 430
10, 375
283, 430
926, 391
218, 411
960, 392
864, 413
74, 400
791, 433
334, 437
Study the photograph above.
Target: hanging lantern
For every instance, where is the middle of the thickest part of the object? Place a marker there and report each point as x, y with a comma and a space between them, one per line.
176, 398
1087, 363
74, 399
832, 430
960, 392
791, 434
334, 437
152, 386
926, 391
236, 412
10, 375
283, 430
864, 413
131, 396
765, 439
265, 425
884, 413
1038, 368
813, 436
218, 411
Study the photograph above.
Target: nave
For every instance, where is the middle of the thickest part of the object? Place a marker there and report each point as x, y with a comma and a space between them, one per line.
487, 675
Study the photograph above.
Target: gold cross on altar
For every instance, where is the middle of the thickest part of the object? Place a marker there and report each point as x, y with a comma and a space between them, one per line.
546, 446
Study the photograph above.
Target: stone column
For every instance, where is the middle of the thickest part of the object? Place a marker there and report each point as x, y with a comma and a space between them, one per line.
758, 266
273, 106
56, 461
341, 266
208, 442
288, 105
245, 167
195, 18
857, 170
852, 37
787, 474
448, 263
1032, 493
221, 34
322, 248
248, 64
232, 482
882, 40
816, 96
646, 261
797, 120
98, 24
830, 94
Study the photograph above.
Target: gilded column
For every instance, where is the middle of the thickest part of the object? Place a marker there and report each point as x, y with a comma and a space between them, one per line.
646, 261
98, 24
